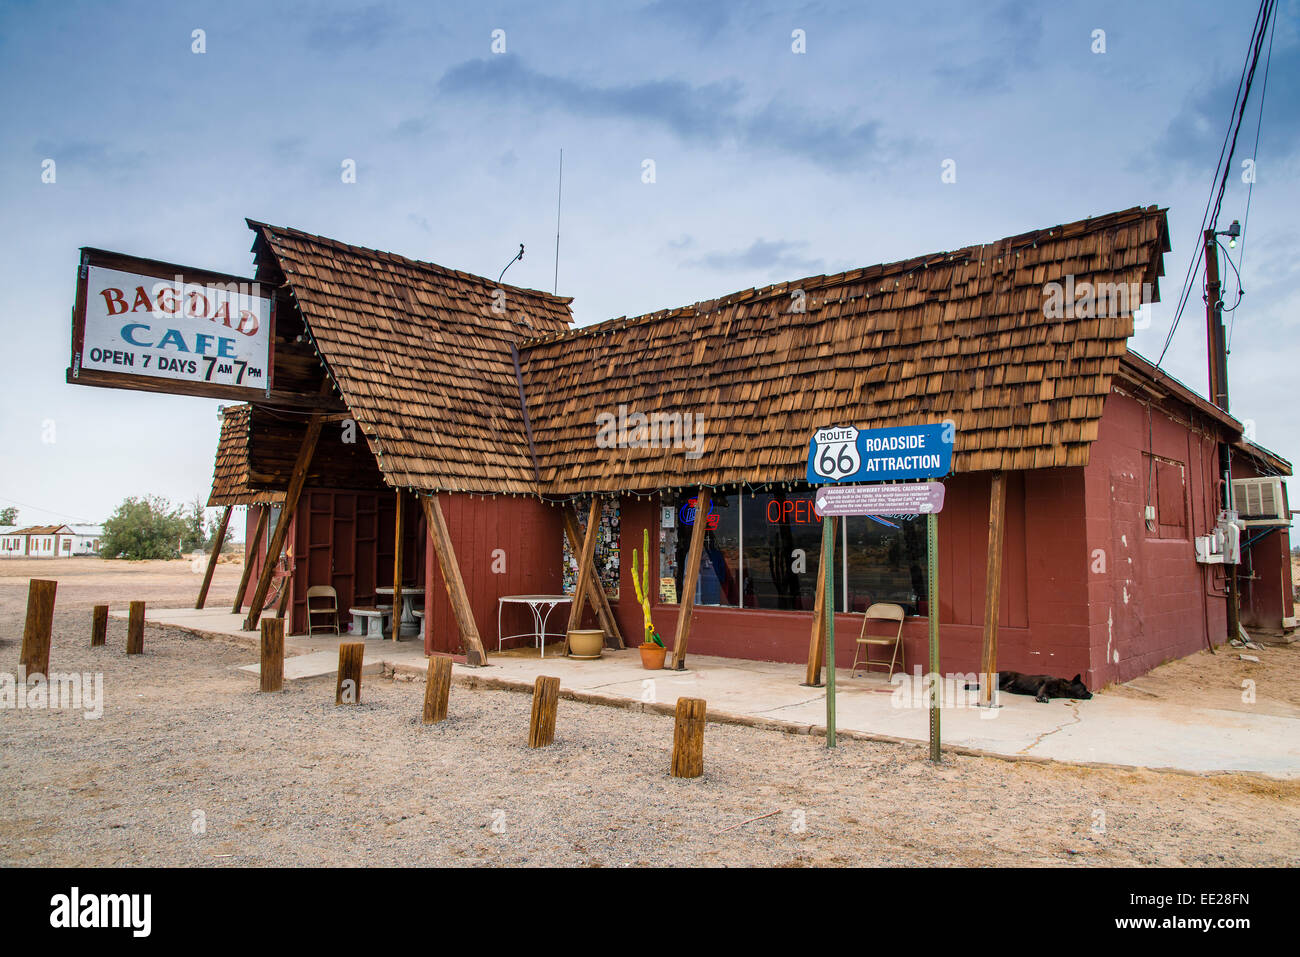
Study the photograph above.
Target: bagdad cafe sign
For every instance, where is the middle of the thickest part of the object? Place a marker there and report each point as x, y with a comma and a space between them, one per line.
157, 327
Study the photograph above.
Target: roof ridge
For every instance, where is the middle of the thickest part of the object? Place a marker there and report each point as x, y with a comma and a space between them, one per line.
398, 257
857, 274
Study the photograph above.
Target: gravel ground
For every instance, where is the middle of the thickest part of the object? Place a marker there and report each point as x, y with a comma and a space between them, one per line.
288, 779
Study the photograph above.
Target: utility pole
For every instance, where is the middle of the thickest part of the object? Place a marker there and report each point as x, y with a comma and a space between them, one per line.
1218, 357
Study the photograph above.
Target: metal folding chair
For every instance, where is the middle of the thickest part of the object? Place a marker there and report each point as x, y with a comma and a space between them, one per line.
332, 609
882, 625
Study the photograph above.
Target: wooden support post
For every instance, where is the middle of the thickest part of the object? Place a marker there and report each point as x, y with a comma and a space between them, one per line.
437, 688
250, 553
99, 626
272, 670
541, 725
817, 646
217, 542
135, 629
397, 570
39, 628
296, 481
586, 570
686, 600
688, 737
992, 586
475, 656
347, 689
595, 593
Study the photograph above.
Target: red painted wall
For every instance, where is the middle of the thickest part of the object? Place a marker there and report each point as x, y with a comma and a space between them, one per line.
1041, 617
530, 537
1150, 601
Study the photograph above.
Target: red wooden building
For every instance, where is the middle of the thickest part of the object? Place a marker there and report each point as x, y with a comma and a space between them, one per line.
449, 391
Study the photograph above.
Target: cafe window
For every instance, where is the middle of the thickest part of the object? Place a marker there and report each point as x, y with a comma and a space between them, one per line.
763, 550
719, 582
782, 550
883, 560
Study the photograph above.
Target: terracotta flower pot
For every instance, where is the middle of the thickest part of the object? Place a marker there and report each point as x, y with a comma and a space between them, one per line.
652, 656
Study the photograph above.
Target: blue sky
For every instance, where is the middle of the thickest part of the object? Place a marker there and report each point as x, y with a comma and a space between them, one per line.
769, 165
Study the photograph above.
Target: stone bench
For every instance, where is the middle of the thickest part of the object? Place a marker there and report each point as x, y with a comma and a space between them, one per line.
368, 621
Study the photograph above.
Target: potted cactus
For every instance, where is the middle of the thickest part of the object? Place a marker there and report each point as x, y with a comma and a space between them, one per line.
652, 649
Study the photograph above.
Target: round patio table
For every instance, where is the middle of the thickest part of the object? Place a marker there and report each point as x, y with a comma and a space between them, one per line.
406, 617
541, 607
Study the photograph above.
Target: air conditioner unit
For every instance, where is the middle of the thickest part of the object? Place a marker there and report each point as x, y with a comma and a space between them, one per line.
1261, 501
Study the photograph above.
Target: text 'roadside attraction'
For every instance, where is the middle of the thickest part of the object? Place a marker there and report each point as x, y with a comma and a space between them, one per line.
849, 454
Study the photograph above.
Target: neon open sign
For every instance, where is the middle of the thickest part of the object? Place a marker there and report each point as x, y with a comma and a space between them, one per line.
687, 514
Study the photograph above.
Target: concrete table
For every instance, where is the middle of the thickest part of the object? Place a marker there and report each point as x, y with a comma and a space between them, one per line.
409, 625
541, 607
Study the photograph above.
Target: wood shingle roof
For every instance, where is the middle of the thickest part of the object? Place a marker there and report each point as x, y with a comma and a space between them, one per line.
422, 356
230, 473
961, 336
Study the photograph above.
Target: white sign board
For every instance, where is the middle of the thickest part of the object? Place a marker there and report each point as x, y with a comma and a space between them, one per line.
910, 498
184, 333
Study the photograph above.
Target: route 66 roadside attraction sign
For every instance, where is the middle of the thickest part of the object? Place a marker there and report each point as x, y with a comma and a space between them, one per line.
849, 454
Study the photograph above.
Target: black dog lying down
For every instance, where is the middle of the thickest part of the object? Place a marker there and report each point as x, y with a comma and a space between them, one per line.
1041, 687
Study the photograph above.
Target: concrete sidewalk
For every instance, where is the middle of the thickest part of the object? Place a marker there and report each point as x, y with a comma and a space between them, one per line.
1106, 730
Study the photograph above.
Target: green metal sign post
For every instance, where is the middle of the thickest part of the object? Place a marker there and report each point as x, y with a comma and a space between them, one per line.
932, 561
828, 603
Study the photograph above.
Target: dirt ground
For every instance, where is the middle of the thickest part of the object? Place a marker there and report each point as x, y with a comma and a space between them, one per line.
1215, 680
190, 765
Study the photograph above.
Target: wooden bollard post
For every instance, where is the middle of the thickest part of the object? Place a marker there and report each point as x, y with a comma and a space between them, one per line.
541, 726
688, 738
135, 629
272, 670
437, 686
348, 688
39, 628
99, 626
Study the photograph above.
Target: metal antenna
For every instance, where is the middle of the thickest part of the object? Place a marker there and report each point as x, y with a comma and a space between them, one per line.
518, 257
559, 193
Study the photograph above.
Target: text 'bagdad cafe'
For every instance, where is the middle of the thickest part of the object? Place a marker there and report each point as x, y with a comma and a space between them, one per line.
169, 328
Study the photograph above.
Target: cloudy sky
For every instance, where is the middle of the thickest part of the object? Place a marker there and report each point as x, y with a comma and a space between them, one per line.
768, 164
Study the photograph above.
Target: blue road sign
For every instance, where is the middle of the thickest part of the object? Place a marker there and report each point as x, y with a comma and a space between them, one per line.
849, 454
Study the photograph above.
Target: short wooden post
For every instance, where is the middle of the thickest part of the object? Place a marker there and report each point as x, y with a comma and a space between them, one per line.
688, 738
135, 629
99, 626
546, 696
348, 688
39, 628
272, 654
437, 687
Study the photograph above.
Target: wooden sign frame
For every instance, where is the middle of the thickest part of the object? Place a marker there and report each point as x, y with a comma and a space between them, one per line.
77, 375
